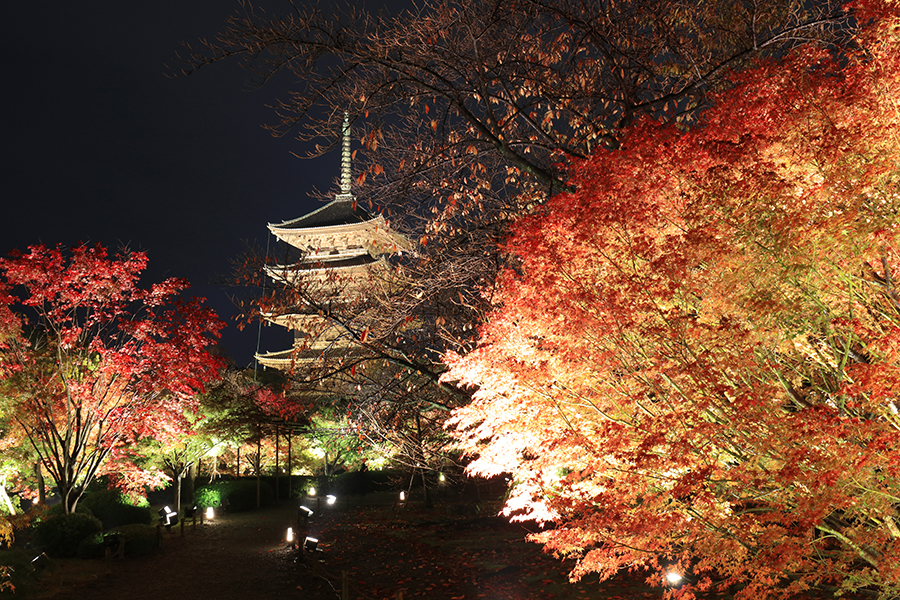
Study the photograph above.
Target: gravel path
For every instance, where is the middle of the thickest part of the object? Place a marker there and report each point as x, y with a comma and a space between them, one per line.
240, 556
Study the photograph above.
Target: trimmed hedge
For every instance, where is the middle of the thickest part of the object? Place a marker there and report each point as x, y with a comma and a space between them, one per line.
60, 535
113, 510
139, 539
236, 495
353, 483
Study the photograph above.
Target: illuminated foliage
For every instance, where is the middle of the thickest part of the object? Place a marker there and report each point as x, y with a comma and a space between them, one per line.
466, 110
696, 359
96, 362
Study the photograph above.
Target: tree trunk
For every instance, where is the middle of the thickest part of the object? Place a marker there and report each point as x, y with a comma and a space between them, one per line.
191, 482
42, 493
277, 473
178, 493
258, 471
420, 451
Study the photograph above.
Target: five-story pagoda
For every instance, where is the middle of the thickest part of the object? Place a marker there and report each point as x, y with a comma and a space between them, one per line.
342, 255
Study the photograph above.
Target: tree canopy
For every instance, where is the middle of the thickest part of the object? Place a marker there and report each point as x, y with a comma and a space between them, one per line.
467, 111
91, 362
695, 363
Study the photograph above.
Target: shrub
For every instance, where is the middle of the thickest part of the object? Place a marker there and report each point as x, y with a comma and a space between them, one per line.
113, 510
60, 535
139, 539
90, 547
18, 573
237, 495
57, 509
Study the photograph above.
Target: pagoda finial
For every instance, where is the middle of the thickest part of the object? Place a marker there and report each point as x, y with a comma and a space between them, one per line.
345, 161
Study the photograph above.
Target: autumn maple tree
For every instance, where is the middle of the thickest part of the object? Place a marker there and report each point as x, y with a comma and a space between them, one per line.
467, 109
91, 362
696, 361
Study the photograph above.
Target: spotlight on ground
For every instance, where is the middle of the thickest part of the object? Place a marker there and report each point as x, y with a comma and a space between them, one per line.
167, 517
40, 562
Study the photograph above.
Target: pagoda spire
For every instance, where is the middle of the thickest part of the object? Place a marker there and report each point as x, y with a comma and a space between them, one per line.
346, 194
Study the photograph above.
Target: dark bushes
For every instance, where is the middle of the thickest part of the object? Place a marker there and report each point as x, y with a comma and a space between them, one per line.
139, 539
236, 495
60, 535
113, 510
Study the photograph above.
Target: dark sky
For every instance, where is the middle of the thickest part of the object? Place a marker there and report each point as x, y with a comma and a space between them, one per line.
100, 144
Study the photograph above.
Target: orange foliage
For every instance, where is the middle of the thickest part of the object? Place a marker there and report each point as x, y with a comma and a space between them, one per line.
696, 362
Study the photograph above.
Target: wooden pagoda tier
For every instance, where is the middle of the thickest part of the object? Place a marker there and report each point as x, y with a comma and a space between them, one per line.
285, 360
343, 249
337, 231
345, 274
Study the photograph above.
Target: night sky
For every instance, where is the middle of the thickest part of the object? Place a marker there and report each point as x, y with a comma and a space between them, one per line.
101, 144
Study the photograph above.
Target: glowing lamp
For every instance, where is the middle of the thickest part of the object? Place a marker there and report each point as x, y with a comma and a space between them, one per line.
308, 511
673, 578
209, 512
402, 496
289, 538
312, 491
441, 478
310, 544
330, 499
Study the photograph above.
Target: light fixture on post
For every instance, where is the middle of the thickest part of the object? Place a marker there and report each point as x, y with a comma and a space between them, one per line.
303, 514
310, 544
40, 562
329, 499
167, 517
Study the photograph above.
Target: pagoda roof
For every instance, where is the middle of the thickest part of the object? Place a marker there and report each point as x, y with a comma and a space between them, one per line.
335, 213
286, 359
339, 271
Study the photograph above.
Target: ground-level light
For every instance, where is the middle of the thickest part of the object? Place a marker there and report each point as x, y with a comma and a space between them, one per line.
40, 562
402, 496
442, 478
312, 491
289, 538
171, 517
209, 512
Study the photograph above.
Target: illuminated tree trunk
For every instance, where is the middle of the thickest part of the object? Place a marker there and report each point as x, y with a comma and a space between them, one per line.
420, 451
258, 470
277, 472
